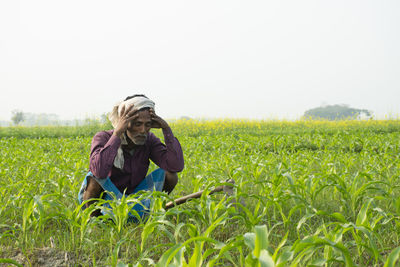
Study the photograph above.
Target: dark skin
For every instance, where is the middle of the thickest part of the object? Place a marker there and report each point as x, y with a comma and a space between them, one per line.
136, 124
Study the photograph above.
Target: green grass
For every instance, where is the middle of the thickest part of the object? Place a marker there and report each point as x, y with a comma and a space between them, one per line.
308, 193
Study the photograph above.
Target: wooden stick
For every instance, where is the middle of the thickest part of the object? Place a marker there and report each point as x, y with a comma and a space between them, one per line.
182, 200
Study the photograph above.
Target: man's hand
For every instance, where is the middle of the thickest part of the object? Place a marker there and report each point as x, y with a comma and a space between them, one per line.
157, 122
125, 117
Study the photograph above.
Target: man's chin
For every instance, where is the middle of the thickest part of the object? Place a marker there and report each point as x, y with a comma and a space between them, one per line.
139, 141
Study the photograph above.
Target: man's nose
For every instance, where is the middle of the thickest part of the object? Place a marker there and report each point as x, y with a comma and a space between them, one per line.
142, 128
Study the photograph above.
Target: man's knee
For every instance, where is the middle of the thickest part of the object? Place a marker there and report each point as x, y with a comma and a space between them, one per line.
93, 189
171, 179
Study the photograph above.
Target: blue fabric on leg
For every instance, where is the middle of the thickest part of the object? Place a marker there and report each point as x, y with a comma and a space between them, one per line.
152, 182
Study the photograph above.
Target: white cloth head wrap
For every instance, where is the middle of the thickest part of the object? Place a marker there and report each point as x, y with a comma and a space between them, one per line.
139, 102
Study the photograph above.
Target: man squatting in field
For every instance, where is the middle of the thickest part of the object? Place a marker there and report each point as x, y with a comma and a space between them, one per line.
122, 155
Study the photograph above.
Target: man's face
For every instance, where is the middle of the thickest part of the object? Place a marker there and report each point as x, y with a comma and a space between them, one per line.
138, 129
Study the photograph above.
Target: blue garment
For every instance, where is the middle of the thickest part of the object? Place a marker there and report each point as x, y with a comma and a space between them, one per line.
152, 182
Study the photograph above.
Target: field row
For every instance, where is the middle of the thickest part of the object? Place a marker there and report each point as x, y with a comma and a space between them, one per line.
306, 193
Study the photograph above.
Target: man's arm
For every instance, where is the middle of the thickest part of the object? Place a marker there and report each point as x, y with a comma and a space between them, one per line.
103, 151
169, 156
104, 148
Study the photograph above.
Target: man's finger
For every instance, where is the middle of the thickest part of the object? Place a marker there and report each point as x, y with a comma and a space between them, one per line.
132, 112
134, 116
154, 116
130, 109
152, 112
122, 113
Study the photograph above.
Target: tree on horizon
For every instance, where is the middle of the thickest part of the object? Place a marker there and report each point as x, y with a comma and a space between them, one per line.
17, 116
336, 112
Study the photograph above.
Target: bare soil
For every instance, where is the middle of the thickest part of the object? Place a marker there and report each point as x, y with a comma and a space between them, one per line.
43, 257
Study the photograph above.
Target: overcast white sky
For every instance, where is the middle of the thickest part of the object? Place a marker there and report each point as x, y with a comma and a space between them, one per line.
203, 59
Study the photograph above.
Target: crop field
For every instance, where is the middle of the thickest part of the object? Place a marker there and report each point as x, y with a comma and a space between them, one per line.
306, 193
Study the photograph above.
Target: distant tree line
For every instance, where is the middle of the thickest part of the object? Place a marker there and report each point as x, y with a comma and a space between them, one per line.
19, 117
336, 112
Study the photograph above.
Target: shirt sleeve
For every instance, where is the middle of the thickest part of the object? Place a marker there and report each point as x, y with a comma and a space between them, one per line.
169, 156
103, 151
